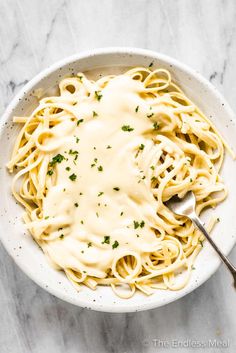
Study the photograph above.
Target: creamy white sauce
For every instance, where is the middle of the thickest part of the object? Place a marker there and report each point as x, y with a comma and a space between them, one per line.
113, 212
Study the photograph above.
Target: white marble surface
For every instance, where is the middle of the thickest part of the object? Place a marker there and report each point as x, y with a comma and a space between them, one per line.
36, 33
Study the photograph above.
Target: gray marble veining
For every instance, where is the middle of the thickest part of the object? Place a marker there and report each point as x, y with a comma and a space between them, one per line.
36, 33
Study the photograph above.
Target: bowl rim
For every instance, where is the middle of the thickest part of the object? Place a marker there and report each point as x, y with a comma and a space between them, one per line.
36, 79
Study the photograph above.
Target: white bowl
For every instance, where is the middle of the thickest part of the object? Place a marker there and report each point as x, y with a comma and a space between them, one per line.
24, 250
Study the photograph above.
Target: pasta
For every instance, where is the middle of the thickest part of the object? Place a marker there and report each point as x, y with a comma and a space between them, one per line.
94, 167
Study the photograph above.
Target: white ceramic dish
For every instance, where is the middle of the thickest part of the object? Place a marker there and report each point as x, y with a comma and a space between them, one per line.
24, 250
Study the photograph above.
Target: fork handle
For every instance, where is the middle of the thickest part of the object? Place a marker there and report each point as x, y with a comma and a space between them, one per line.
197, 222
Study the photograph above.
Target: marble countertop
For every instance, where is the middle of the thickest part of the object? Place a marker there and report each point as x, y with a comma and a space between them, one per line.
36, 33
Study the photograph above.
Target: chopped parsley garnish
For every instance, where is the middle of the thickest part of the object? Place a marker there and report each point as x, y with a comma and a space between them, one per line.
95, 114
218, 220
141, 147
82, 222
77, 139
98, 95
136, 109
193, 268
127, 128
97, 214
116, 188
46, 217
154, 178
61, 236
151, 64
108, 147
142, 224
115, 244
100, 168
76, 204
191, 180
152, 167
50, 172
68, 169
137, 224
73, 177
106, 239
150, 115
121, 214
155, 126
201, 242
79, 121
73, 152
92, 165
56, 159
100, 193
89, 244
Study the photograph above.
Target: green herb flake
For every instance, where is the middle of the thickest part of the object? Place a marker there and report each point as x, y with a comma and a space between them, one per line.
142, 224
108, 147
100, 168
71, 152
79, 121
127, 128
156, 126
150, 115
116, 188
152, 167
106, 239
46, 217
193, 268
137, 235
97, 214
218, 220
76, 204
68, 169
121, 214
100, 193
61, 236
136, 109
73, 177
82, 222
50, 172
56, 159
151, 64
77, 140
95, 114
98, 95
89, 244
137, 224
141, 147
115, 244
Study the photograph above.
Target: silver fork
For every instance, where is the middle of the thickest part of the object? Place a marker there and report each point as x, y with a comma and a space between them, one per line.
186, 207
